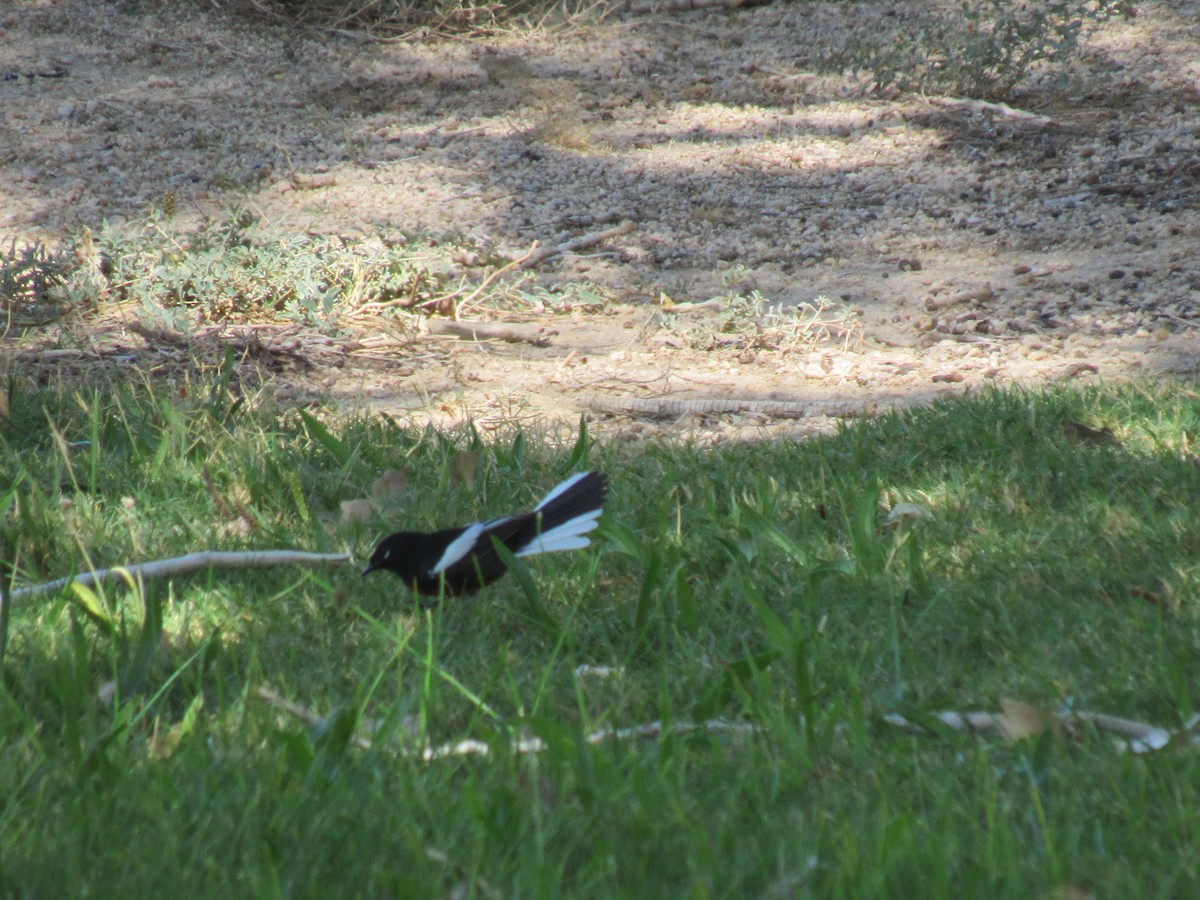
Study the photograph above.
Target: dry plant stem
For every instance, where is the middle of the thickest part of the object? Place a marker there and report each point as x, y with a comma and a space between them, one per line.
181, 565
443, 299
475, 294
579, 243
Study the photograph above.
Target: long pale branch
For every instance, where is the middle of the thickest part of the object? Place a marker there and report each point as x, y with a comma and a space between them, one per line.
181, 565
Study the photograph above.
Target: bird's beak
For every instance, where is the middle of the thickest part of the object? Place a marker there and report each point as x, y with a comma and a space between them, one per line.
368, 569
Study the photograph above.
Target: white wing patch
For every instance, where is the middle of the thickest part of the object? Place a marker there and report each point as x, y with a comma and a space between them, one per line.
560, 489
567, 536
464, 544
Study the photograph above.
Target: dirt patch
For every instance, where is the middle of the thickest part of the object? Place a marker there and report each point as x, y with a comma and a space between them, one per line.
980, 244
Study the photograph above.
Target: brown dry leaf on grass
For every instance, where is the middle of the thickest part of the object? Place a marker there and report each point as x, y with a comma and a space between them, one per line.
357, 511
392, 483
463, 466
1021, 720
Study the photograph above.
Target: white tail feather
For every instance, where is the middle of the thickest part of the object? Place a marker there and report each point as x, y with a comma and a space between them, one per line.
560, 489
567, 536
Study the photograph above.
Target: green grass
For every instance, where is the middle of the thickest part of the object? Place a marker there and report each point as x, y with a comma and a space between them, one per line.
757, 583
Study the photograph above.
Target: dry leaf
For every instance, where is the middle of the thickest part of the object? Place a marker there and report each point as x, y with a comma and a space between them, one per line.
391, 483
463, 465
357, 511
1078, 433
1021, 720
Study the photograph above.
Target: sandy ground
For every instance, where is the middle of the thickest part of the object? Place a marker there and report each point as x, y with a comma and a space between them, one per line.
1053, 237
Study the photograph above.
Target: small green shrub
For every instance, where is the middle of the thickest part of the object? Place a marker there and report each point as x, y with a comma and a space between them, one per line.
29, 277
982, 48
749, 321
236, 269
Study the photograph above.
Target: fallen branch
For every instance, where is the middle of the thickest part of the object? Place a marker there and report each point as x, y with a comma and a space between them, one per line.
1141, 737
579, 243
490, 331
1019, 720
181, 565
666, 408
472, 747
1000, 109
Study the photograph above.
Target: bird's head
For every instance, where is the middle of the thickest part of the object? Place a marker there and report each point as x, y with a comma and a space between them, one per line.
391, 554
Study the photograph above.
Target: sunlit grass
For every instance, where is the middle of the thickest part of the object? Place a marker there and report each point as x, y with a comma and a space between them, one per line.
761, 584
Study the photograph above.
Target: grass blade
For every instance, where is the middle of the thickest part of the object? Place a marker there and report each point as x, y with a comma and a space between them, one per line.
533, 610
322, 436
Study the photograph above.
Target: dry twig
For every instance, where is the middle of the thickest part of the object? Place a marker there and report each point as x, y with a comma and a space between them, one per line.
579, 243
1141, 737
999, 109
484, 331
517, 263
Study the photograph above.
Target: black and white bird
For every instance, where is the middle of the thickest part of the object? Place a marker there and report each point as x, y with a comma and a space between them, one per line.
461, 560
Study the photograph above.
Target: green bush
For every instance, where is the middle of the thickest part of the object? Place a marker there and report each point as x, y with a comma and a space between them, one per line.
983, 49
235, 269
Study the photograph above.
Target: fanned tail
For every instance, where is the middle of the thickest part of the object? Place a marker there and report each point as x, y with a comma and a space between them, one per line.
569, 512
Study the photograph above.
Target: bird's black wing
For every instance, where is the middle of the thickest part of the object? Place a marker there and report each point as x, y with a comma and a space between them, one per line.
470, 561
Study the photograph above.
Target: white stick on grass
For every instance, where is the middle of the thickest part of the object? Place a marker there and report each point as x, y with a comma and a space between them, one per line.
472, 747
1138, 737
181, 565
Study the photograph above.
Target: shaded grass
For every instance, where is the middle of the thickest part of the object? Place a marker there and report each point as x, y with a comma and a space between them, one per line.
758, 583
